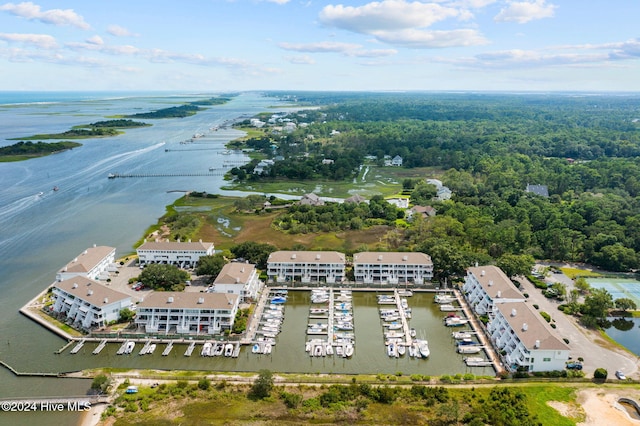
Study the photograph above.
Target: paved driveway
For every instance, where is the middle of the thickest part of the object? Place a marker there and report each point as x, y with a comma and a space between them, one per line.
583, 343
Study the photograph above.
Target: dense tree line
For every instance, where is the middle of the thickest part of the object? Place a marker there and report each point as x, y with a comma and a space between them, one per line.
170, 112
38, 148
121, 123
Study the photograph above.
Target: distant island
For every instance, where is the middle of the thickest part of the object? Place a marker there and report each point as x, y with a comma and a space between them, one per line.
26, 150
94, 130
181, 111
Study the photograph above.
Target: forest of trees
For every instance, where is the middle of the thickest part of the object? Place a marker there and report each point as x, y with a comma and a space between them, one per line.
486, 149
36, 149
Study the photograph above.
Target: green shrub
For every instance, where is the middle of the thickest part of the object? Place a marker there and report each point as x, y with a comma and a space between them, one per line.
600, 373
546, 316
291, 400
204, 383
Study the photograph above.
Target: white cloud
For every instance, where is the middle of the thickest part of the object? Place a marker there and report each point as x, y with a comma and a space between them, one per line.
278, 1
31, 11
419, 39
118, 31
373, 53
523, 12
96, 39
42, 41
321, 47
388, 15
300, 60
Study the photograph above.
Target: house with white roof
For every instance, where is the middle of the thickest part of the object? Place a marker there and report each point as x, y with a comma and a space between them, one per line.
525, 339
487, 286
396, 161
306, 266
93, 263
311, 199
392, 268
87, 304
181, 254
187, 312
238, 278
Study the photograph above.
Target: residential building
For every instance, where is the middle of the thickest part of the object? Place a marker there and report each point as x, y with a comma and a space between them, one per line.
238, 278
541, 190
94, 263
183, 255
311, 199
356, 199
392, 267
87, 304
187, 312
399, 202
306, 266
486, 286
525, 339
424, 211
396, 161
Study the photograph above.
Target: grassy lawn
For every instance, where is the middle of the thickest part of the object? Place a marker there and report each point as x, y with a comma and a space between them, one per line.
574, 273
371, 180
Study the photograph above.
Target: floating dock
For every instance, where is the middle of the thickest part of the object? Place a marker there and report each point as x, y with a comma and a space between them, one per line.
168, 349
100, 347
190, 349
78, 346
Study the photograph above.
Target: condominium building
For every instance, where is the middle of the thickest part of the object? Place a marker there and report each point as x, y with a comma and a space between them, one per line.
183, 255
392, 267
238, 278
187, 312
87, 304
525, 339
486, 286
306, 266
92, 263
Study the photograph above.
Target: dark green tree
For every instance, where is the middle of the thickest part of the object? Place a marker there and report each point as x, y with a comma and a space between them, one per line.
163, 277
516, 264
262, 386
210, 265
624, 304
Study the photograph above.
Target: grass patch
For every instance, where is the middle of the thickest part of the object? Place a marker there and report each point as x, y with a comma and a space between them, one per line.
538, 396
574, 273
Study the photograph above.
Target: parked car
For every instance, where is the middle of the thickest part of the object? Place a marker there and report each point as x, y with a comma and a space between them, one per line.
574, 366
620, 375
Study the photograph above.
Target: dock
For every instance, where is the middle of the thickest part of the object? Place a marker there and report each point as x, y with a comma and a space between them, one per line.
100, 347
190, 349
145, 348
168, 349
78, 346
122, 348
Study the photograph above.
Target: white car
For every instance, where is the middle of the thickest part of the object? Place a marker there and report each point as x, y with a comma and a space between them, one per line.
620, 375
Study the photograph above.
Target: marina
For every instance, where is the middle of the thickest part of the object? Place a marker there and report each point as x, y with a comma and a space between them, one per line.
330, 327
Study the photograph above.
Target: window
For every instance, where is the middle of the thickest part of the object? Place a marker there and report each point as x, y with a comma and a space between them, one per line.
546, 359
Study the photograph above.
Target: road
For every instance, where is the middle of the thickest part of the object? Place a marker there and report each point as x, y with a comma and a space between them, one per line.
588, 344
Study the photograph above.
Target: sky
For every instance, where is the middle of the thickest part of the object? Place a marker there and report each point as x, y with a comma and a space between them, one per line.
355, 45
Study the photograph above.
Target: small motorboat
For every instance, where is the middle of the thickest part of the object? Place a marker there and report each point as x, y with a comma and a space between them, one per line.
348, 350
401, 350
206, 349
228, 349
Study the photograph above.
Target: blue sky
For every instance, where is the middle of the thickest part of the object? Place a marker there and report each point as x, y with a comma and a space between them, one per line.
218, 45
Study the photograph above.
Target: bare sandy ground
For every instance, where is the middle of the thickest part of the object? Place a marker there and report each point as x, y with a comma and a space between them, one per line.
600, 407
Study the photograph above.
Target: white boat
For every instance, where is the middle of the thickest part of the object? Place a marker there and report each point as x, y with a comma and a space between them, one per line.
412, 350
461, 335
317, 350
218, 350
340, 350
307, 347
129, 348
256, 348
345, 326
391, 349
329, 349
401, 350
412, 332
393, 326
405, 293
228, 349
206, 349
319, 311
348, 350
391, 318
476, 361
151, 349
267, 348
447, 307
423, 348
469, 349
444, 298
456, 322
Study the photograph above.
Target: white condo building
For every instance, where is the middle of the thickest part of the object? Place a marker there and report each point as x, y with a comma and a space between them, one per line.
87, 304
306, 266
525, 339
238, 278
392, 267
92, 263
487, 286
183, 255
182, 313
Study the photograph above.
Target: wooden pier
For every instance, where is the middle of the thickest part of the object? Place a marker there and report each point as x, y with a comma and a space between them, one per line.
155, 175
167, 350
190, 349
100, 347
